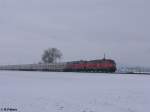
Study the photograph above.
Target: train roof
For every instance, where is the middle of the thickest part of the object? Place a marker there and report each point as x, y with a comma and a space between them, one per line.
92, 61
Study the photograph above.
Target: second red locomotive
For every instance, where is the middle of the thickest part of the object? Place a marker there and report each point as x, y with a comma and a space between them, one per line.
103, 65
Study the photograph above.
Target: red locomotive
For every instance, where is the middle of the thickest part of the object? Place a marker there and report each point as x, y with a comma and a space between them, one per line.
103, 65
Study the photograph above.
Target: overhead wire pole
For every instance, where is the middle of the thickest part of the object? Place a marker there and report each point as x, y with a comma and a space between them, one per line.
104, 56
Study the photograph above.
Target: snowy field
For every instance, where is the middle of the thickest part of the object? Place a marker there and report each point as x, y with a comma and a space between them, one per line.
74, 92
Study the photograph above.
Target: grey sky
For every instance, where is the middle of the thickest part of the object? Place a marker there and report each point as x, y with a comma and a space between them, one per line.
81, 29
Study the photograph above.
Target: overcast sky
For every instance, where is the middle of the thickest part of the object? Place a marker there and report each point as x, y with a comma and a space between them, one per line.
81, 29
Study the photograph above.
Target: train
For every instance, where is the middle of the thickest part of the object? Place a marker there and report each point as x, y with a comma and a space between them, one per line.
99, 65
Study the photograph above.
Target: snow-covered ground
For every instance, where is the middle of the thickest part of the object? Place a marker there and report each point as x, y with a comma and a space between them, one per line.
74, 92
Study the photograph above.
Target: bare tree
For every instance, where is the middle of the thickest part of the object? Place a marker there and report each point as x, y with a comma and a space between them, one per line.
51, 55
